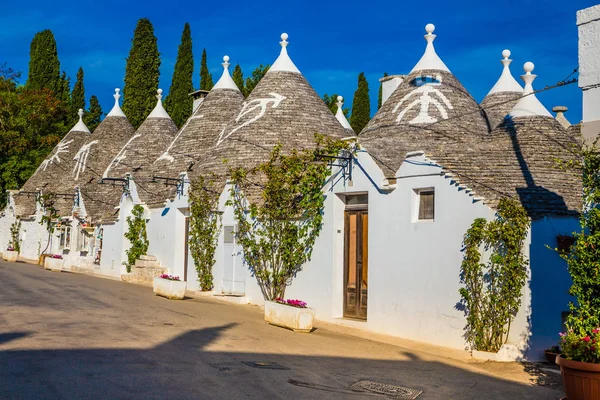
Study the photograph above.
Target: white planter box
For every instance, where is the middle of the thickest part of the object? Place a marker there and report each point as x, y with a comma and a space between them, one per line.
174, 290
10, 255
296, 319
54, 264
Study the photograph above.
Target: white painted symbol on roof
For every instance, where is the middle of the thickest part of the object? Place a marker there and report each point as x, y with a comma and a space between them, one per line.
63, 147
250, 107
426, 90
81, 158
166, 155
121, 155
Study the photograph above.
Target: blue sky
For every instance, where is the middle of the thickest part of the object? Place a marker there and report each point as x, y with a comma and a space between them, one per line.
330, 41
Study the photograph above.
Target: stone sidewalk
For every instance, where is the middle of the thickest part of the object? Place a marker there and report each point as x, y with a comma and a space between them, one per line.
69, 336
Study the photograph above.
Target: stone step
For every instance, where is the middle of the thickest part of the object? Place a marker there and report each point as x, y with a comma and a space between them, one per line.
146, 257
147, 264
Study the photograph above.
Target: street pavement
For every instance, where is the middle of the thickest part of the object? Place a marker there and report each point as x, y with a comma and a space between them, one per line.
71, 336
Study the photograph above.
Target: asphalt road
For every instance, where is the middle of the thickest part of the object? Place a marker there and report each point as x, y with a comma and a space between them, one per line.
69, 336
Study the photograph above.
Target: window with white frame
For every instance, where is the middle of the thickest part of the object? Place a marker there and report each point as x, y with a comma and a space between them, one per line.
65, 238
84, 240
425, 204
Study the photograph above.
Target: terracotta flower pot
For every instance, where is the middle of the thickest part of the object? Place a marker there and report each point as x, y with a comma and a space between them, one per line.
551, 357
581, 380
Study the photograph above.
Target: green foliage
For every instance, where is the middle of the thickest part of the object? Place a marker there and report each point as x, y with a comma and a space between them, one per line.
44, 67
64, 89
583, 260
331, 103
179, 103
361, 105
141, 74
49, 216
492, 292
253, 80
136, 235
205, 225
581, 347
32, 122
206, 81
94, 114
278, 226
380, 98
238, 77
15, 233
77, 96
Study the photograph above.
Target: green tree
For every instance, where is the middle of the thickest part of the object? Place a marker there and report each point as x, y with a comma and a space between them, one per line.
179, 103
64, 88
380, 99
361, 105
44, 67
253, 80
331, 103
77, 95
278, 232
206, 81
32, 122
238, 77
94, 114
141, 74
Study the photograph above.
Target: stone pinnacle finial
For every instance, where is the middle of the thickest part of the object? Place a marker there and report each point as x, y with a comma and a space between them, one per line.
159, 95
284, 38
430, 37
506, 54
340, 102
117, 95
225, 63
116, 110
430, 59
80, 113
528, 67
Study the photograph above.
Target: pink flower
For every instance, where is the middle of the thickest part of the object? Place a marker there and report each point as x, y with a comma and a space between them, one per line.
586, 339
597, 330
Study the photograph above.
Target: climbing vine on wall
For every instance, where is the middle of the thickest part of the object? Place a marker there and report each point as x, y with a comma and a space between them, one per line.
278, 206
492, 290
137, 236
15, 232
49, 216
205, 226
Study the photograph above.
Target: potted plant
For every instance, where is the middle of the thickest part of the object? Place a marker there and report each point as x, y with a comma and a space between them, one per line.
169, 286
580, 358
551, 353
54, 262
10, 254
580, 365
291, 314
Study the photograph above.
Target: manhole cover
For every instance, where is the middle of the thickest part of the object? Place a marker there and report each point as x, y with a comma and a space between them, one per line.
395, 392
264, 365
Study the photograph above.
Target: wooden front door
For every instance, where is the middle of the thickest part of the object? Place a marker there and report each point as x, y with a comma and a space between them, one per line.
356, 270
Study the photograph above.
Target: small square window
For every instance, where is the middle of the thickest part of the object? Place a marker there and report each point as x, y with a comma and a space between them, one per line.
426, 204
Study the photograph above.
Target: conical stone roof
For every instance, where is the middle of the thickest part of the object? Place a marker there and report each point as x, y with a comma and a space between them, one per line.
504, 94
519, 160
95, 155
282, 109
54, 173
429, 111
137, 155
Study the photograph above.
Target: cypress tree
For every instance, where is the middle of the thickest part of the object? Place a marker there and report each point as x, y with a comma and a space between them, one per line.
206, 82
78, 95
253, 80
238, 77
44, 67
179, 103
141, 74
379, 101
93, 115
63, 91
361, 107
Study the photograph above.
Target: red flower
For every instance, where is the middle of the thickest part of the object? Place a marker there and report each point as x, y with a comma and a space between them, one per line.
597, 330
586, 339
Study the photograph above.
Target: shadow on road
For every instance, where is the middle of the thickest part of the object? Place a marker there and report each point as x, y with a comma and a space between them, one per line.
189, 367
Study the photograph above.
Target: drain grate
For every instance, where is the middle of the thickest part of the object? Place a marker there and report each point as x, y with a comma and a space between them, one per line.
395, 392
264, 365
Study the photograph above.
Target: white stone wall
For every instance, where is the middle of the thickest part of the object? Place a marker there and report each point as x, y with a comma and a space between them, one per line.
588, 24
